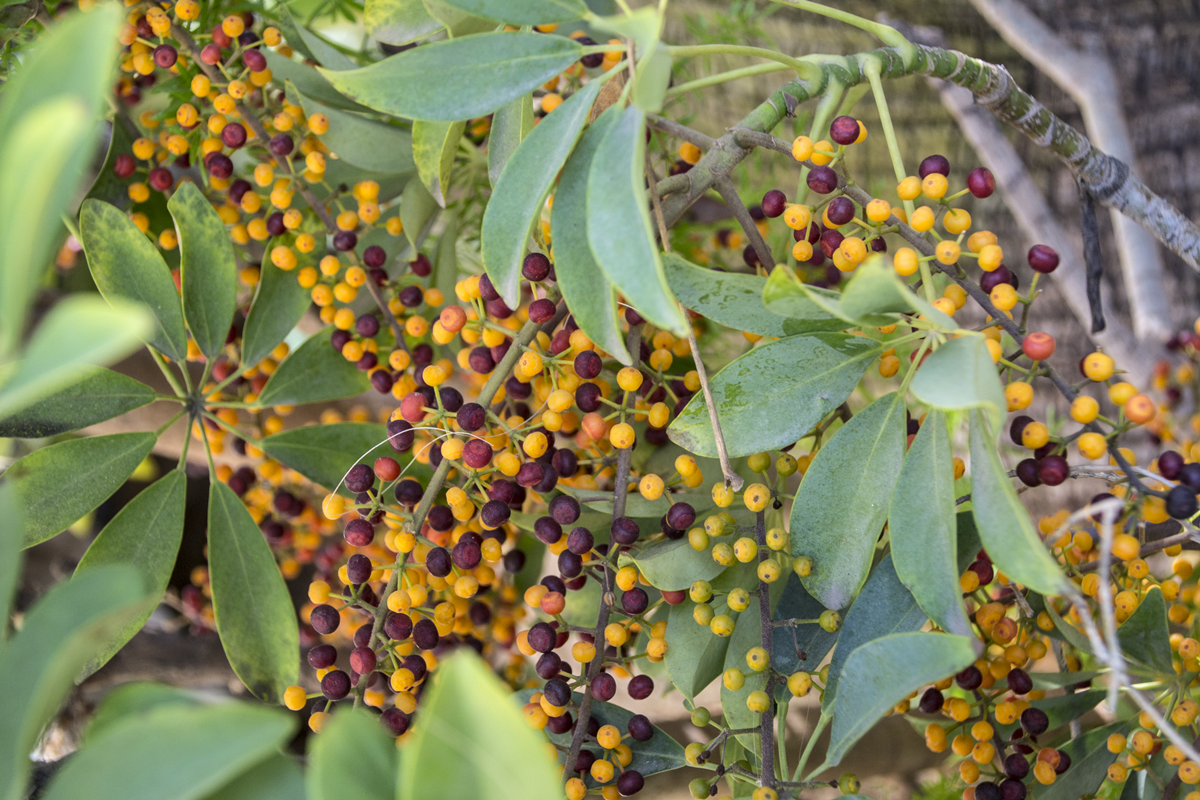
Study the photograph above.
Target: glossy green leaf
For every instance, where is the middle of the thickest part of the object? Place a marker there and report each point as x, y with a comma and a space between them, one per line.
96, 395
107, 186
1090, 760
445, 258
1068, 632
520, 194
399, 22
658, 754
672, 564
616, 201
181, 752
961, 375
279, 303
417, 207
1145, 636
311, 82
361, 141
467, 737
735, 300
135, 699
694, 656
635, 504
251, 604
325, 453
278, 777
81, 332
59, 484
475, 75
126, 264
207, 268
882, 672
809, 306
353, 757
510, 125
458, 22
882, 608
312, 373
802, 647
40, 663
921, 524
47, 134
776, 393
144, 534
588, 292
10, 553
1003, 522
875, 288
434, 145
524, 12
310, 45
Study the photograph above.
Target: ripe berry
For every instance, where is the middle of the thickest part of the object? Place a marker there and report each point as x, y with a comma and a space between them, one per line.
219, 165
987, 791
821, 180
124, 165
395, 720
344, 241
1038, 346
254, 60
397, 626
358, 569
425, 636
773, 203
1002, 274
844, 130
624, 531
931, 701
932, 164
211, 54
639, 727
359, 533
541, 311
1019, 681
630, 782
1043, 259
981, 182
1181, 502
840, 210
1170, 464
335, 685
323, 656
603, 686
1053, 470
360, 478
536, 267
160, 179
325, 619
970, 678
281, 144
564, 509
363, 660
1034, 721
165, 56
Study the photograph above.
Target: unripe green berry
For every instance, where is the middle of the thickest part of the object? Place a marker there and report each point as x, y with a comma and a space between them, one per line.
701, 717
802, 566
785, 465
698, 788
760, 462
830, 620
849, 783
700, 591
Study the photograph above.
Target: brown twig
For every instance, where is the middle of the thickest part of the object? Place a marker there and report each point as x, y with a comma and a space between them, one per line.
730, 196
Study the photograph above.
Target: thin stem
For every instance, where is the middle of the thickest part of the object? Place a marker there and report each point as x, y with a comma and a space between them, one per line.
886, 33
822, 721
730, 196
158, 361
767, 633
805, 69
393, 323
725, 77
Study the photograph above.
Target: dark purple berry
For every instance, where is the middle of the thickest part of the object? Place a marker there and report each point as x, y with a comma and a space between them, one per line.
981, 182
933, 164
1043, 259
844, 130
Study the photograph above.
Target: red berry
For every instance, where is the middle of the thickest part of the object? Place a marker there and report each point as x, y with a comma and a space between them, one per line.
220, 37
211, 54
844, 130
1038, 346
981, 182
165, 56
1043, 259
161, 179
773, 203
254, 60
821, 180
124, 165
233, 135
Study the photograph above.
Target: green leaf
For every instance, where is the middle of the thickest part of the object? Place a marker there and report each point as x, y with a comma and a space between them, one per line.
883, 607
1068, 632
524, 12
181, 752
1090, 760
875, 289
361, 141
251, 604
672, 564
458, 22
843, 500
882, 672
1004, 526
616, 201
311, 82
809, 639
635, 504
144, 534
467, 738
520, 193
59, 484
207, 268
311, 45
475, 75
644, 26
417, 206
125, 264
652, 78
510, 124
776, 393
279, 303
815, 309
695, 657
312, 373
434, 145
735, 300
39, 665
445, 258
352, 757
97, 394
961, 375
276, 778
660, 753
134, 699
47, 135
589, 294
80, 332
399, 22
325, 453
922, 527
108, 187
1145, 636
10, 553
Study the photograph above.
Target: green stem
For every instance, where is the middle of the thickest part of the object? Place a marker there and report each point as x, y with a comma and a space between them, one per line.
825, 109
822, 721
723, 77
872, 67
805, 69
170, 422
885, 33
157, 359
